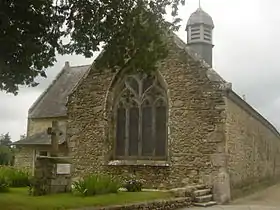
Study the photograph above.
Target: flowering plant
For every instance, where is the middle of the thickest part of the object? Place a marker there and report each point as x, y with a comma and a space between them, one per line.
133, 184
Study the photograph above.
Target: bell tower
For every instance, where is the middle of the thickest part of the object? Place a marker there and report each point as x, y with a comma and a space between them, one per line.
200, 31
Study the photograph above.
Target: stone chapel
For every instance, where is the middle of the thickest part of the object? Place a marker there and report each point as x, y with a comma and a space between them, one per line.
181, 126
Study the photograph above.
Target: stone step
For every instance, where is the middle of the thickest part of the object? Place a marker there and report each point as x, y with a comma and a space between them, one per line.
205, 204
202, 192
203, 198
200, 186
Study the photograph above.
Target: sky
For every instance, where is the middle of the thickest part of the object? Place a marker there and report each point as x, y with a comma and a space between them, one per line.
246, 38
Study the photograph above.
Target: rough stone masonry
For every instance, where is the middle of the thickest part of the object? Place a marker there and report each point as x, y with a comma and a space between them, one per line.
214, 137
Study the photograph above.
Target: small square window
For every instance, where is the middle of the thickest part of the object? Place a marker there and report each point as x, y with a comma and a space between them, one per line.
43, 153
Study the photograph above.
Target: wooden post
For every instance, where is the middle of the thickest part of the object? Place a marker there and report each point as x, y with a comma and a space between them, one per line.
54, 132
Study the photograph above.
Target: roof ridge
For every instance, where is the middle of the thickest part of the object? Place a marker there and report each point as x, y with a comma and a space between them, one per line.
46, 90
80, 65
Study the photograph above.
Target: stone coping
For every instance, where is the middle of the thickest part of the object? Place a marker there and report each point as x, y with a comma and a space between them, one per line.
168, 204
160, 163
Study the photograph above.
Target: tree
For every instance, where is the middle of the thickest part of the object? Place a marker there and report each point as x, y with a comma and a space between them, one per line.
5, 139
33, 31
6, 152
6, 155
23, 136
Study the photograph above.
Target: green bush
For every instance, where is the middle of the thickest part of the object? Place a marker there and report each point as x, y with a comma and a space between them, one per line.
133, 184
37, 186
16, 177
4, 184
96, 184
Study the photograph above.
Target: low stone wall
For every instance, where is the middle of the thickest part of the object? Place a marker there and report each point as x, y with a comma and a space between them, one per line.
169, 204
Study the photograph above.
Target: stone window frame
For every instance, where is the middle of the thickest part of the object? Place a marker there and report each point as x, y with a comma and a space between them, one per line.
119, 89
38, 153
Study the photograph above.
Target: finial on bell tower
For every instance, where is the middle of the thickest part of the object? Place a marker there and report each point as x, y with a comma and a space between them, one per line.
199, 4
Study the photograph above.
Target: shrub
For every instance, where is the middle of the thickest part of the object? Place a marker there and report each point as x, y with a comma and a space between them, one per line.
31, 185
79, 187
4, 184
96, 184
37, 186
19, 178
16, 177
133, 184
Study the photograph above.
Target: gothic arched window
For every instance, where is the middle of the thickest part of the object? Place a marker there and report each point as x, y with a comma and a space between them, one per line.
141, 119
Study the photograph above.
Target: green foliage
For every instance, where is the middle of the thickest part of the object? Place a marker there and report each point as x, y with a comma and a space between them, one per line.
5, 139
31, 185
29, 34
80, 187
37, 186
4, 184
6, 152
133, 184
130, 30
6, 155
19, 178
15, 177
96, 184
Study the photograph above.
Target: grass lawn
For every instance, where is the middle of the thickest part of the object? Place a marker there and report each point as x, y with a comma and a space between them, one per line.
18, 199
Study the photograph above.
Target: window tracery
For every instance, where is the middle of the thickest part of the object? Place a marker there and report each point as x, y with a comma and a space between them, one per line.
141, 119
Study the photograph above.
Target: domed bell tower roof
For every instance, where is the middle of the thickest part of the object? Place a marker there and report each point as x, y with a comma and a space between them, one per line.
200, 17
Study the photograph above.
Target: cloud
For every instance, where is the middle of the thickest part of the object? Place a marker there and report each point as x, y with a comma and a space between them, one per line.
13, 112
245, 53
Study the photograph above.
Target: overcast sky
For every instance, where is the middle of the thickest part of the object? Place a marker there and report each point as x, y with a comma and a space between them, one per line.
246, 39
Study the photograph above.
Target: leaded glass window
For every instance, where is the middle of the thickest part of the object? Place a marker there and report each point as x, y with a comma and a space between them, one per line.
141, 119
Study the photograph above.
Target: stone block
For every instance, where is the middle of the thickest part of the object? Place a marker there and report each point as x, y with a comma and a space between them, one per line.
183, 192
221, 188
204, 198
219, 159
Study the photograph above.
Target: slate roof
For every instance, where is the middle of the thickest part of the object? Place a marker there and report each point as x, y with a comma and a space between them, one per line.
52, 101
41, 138
211, 73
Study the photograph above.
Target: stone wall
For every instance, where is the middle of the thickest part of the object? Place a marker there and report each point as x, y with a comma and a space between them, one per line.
24, 157
41, 124
253, 145
196, 119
